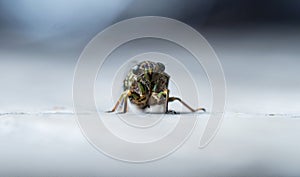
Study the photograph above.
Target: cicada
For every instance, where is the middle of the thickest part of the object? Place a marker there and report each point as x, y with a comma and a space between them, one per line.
146, 84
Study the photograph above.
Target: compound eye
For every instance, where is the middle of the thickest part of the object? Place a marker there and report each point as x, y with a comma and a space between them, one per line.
161, 67
135, 69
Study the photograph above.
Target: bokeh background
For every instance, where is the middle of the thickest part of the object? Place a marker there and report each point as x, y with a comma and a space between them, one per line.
257, 42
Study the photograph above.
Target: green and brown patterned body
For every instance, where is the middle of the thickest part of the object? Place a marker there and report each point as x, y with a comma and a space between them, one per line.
146, 84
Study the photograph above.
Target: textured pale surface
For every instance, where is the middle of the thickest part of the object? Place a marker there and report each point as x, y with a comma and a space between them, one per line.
54, 145
258, 137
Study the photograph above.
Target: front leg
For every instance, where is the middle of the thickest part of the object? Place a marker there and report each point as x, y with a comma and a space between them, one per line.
166, 92
123, 97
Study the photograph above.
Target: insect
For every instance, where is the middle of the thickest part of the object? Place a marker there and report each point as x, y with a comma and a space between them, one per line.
146, 84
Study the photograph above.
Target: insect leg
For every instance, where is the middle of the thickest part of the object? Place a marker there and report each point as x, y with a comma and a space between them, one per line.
186, 105
118, 102
122, 103
125, 103
166, 106
167, 91
142, 88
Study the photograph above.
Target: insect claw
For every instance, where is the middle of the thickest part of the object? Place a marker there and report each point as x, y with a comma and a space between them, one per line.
201, 109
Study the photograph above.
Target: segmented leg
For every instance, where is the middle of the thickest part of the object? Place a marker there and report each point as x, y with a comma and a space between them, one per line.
186, 105
167, 100
166, 92
125, 103
118, 102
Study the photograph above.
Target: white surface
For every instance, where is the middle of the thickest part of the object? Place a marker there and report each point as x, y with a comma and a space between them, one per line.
53, 145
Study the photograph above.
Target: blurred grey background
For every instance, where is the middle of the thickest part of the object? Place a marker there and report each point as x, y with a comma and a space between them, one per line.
257, 43
66, 26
